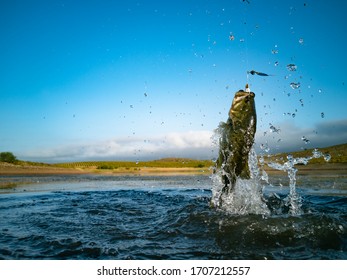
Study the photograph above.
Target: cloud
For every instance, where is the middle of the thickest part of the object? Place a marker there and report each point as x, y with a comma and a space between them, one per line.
291, 137
195, 144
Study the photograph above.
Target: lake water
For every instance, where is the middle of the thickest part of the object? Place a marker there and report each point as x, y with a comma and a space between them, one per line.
166, 217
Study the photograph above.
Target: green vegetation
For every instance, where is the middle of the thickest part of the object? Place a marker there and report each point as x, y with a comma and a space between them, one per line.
8, 157
162, 163
338, 154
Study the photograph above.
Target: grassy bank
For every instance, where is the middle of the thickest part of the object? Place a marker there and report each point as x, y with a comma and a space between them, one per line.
338, 154
162, 163
337, 162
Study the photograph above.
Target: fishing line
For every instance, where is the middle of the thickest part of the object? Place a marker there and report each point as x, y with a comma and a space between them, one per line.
245, 10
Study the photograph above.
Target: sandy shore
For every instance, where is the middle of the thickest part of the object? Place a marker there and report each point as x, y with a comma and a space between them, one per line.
13, 175
10, 169
329, 169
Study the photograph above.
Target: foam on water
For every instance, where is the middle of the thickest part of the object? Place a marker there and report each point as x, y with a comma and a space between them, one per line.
247, 195
294, 201
169, 217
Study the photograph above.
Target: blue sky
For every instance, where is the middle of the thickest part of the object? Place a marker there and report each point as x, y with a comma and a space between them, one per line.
83, 80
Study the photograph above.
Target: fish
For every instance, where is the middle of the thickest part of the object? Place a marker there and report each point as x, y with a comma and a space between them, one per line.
253, 72
236, 139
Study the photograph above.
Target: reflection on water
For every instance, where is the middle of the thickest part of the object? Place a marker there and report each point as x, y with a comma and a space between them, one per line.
167, 218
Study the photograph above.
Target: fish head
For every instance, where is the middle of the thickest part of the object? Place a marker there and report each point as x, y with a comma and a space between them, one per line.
243, 102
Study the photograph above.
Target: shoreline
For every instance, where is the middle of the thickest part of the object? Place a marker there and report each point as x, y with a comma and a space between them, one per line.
149, 171
27, 170
12, 176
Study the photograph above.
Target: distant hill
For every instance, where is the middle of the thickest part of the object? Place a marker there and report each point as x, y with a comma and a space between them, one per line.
161, 163
338, 154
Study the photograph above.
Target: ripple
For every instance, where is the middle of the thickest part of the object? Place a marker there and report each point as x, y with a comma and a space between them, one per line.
166, 223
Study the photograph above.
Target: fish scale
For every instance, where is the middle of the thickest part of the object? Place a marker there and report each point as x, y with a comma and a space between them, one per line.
237, 138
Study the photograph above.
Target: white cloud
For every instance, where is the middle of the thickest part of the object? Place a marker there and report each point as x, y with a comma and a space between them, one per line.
191, 144
291, 137
197, 144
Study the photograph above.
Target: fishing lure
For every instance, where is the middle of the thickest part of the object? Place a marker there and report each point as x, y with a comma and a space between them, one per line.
253, 72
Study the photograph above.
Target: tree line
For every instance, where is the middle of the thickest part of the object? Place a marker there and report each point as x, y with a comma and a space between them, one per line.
8, 157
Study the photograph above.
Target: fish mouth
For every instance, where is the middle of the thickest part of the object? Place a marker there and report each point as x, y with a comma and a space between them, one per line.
244, 96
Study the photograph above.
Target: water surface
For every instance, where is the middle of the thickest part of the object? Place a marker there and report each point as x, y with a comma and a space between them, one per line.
164, 217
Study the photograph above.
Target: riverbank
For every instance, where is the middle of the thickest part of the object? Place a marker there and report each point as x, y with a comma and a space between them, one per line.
325, 169
13, 169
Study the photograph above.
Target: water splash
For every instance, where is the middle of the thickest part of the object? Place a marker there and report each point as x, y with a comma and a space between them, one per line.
306, 141
247, 195
291, 67
295, 85
273, 129
294, 201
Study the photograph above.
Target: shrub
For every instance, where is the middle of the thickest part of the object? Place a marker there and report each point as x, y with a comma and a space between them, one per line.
7, 157
104, 166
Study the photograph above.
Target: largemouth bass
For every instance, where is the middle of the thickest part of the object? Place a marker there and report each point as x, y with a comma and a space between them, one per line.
236, 139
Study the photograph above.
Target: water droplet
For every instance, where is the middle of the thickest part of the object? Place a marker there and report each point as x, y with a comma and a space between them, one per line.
274, 51
276, 63
302, 102
327, 156
293, 115
261, 160
145, 94
265, 147
292, 67
320, 91
341, 228
306, 141
131, 106
231, 37
242, 40
322, 115
273, 129
316, 153
294, 85
301, 41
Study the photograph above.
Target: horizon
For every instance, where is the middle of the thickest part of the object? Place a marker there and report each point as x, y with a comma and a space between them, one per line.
172, 158
139, 80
